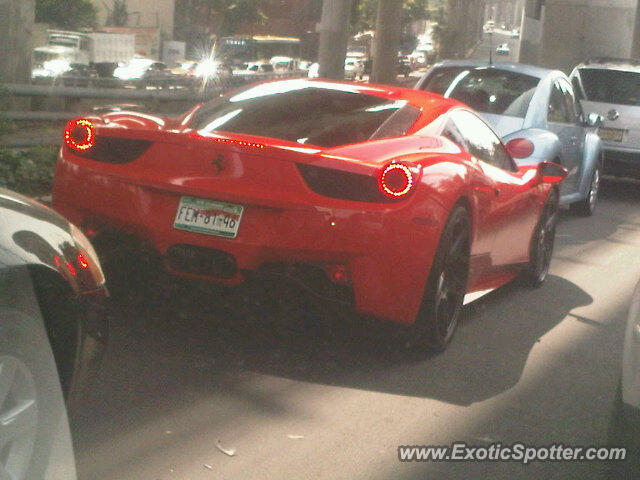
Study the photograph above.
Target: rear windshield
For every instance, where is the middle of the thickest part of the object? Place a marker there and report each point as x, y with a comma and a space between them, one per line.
325, 115
485, 89
610, 86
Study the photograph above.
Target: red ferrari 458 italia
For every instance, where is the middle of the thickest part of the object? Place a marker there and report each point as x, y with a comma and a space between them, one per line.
404, 199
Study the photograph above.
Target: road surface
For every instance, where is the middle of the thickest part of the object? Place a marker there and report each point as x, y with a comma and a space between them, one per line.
328, 396
490, 43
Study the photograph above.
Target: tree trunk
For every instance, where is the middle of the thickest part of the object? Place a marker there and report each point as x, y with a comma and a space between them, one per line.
387, 41
334, 36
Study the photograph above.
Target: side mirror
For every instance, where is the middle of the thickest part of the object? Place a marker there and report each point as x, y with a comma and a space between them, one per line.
549, 172
594, 120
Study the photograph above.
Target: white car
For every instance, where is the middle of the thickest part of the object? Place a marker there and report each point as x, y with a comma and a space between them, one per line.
625, 426
503, 49
353, 69
253, 68
611, 87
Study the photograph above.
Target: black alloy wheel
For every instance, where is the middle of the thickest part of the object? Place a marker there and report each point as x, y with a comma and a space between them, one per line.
446, 287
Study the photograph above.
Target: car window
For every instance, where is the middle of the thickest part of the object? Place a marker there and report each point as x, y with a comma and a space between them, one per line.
452, 132
610, 86
558, 109
322, 115
485, 89
570, 100
482, 142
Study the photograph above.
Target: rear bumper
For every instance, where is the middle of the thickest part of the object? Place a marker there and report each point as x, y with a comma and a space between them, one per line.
622, 162
385, 249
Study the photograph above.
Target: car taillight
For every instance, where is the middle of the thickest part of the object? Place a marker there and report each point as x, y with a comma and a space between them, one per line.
519, 147
396, 180
80, 135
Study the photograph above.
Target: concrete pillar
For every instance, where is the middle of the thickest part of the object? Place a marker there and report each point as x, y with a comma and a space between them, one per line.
334, 36
16, 23
531, 34
635, 43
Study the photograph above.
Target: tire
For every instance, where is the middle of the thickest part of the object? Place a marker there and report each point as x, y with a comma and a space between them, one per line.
586, 207
437, 319
31, 384
541, 249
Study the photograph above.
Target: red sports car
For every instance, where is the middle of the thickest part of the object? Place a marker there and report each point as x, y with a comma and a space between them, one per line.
406, 200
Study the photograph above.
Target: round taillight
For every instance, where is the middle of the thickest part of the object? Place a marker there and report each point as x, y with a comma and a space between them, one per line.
80, 135
396, 180
519, 147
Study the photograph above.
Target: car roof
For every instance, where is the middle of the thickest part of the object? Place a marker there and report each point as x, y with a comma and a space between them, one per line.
610, 63
532, 70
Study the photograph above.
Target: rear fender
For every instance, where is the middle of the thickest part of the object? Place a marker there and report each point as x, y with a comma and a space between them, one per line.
546, 145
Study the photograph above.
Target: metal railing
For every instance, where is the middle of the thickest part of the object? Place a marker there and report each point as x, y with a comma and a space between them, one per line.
162, 97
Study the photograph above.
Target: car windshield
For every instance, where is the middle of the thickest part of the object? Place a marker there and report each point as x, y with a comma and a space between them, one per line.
324, 115
611, 86
485, 89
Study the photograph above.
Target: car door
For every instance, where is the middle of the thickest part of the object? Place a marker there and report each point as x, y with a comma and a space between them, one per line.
512, 211
562, 119
482, 200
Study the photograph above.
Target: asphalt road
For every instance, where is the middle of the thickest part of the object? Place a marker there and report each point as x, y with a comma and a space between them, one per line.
491, 44
302, 395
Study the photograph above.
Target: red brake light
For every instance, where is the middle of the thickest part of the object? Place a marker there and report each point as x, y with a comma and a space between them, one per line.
80, 135
396, 180
520, 147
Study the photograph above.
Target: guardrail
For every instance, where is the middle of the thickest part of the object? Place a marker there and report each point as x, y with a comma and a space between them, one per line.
153, 95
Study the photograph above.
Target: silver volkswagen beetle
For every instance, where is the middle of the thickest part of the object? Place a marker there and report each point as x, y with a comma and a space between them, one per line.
611, 87
536, 113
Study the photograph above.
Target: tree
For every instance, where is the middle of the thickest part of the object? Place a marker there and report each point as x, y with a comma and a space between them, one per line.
367, 11
119, 14
220, 16
66, 14
197, 20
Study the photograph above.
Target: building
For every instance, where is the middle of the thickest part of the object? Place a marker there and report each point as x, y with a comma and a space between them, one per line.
290, 18
143, 14
562, 33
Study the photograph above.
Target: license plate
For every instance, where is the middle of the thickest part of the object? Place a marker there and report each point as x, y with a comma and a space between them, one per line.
208, 216
611, 134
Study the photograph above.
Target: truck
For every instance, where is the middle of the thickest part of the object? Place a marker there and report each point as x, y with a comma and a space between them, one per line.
101, 50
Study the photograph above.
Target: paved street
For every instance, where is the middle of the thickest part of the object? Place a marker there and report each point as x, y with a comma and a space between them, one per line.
305, 396
499, 37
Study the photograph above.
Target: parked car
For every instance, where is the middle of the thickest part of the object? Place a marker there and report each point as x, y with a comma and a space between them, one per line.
626, 418
353, 69
79, 75
611, 87
515, 33
212, 69
404, 65
252, 68
535, 109
503, 49
52, 332
143, 72
366, 186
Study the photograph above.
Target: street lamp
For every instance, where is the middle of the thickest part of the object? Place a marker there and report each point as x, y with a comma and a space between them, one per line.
490, 46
